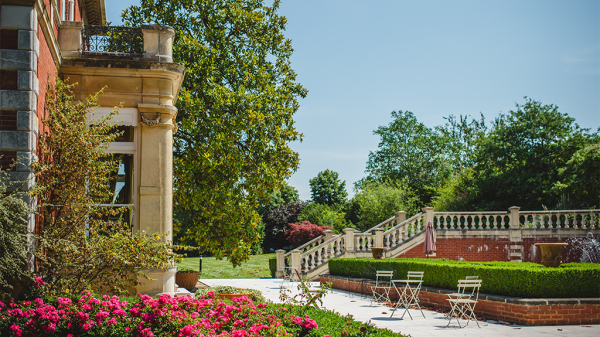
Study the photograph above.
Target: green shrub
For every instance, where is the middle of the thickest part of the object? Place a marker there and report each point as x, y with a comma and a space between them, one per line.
529, 280
258, 296
186, 270
334, 324
273, 266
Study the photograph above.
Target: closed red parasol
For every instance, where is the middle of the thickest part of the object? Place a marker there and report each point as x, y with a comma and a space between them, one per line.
429, 245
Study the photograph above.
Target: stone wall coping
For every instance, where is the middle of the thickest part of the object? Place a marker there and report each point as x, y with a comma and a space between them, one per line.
114, 61
488, 297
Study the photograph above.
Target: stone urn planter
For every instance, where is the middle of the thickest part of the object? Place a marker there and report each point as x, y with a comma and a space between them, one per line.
187, 278
377, 252
551, 253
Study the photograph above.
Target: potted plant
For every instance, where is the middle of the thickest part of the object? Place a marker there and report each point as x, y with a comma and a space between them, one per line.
187, 278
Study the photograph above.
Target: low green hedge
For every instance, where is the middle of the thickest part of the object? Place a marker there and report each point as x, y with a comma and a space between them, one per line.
526, 279
273, 266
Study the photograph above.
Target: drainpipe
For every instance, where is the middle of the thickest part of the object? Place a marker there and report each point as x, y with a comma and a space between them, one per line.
62, 10
71, 10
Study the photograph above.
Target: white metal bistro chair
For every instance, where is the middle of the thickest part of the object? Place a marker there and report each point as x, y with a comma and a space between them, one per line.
290, 274
408, 292
383, 286
463, 302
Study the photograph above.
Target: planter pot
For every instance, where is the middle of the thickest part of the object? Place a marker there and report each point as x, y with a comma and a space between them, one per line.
231, 296
377, 252
187, 280
551, 253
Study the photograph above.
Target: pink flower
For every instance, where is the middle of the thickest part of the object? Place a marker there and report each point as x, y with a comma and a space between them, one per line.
111, 321
16, 329
86, 327
38, 282
127, 328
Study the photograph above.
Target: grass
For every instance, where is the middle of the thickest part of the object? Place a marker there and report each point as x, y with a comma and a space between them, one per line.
256, 267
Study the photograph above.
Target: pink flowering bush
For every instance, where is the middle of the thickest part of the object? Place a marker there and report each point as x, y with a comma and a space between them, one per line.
147, 317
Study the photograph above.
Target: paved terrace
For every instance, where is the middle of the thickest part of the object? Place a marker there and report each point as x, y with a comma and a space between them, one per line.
434, 323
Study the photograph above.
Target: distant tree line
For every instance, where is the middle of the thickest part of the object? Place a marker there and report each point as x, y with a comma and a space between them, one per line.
533, 156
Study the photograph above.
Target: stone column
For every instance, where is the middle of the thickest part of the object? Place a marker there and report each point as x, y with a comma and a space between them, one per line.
69, 38
328, 234
428, 215
400, 216
158, 43
515, 235
349, 239
280, 253
155, 205
295, 261
378, 242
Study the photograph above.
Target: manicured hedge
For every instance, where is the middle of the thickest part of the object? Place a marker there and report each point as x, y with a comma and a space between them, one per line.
526, 279
273, 266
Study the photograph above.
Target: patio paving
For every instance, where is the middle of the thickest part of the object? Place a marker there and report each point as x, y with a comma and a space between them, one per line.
434, 323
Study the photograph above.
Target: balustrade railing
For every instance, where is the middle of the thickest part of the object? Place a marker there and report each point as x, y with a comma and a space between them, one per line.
319, 255
311, 256
112, 39
407, 228
567, 219
471, 220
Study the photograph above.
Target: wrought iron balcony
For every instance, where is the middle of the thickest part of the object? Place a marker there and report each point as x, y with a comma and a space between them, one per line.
112, 39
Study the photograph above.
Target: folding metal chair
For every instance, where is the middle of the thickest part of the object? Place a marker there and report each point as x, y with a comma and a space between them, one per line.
410, 292
383, 286
464, 300
290, 275
457, 294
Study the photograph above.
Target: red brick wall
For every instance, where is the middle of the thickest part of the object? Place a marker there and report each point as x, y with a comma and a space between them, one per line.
46, 72
515, 313
469, 249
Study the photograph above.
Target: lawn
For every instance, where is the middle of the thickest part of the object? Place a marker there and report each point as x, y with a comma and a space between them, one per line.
256, 267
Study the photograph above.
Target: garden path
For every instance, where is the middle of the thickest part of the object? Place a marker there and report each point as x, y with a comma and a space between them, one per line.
433, 325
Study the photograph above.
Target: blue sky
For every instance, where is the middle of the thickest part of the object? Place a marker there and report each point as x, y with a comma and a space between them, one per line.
360, 60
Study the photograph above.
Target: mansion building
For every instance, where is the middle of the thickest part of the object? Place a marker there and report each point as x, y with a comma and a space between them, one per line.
42, 39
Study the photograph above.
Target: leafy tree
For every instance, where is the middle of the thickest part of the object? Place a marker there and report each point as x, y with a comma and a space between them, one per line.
276, 223
411, 153
462, 137
282, 196
376, 202
323, 215
78, 247
519, 161
13, 235
579, 185
235, 115
459, 193
300, 233
326, 188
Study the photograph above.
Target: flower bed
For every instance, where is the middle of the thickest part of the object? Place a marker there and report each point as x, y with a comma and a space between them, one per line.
172, 316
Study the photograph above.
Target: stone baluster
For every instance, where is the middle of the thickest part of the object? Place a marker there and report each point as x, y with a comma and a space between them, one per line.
280, 263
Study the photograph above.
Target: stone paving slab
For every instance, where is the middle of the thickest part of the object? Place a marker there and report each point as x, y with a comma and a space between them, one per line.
434, 323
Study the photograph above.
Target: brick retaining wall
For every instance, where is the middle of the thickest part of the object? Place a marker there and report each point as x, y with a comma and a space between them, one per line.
523, 311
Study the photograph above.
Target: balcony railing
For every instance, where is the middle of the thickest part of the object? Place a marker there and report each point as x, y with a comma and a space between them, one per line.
112, 39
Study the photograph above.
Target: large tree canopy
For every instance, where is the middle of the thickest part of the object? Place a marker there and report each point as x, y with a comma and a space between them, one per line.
235, 114
327, 188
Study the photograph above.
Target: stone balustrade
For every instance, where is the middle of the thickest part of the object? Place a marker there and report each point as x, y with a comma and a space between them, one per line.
398, 234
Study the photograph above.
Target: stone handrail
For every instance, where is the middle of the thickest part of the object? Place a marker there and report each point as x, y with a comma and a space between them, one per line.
318, 256
406, 229
385, 224
471, 220
564, 219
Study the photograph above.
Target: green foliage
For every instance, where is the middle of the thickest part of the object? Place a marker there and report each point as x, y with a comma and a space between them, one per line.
276, 223
273, 266
529, 280
186, 270
519, 161
235, 112
333, 324
579, 185
78, 247
304, 296
459, 193
376, 202
326, 188
213, 268
411, 153
280, 197
13, 234
323, 215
